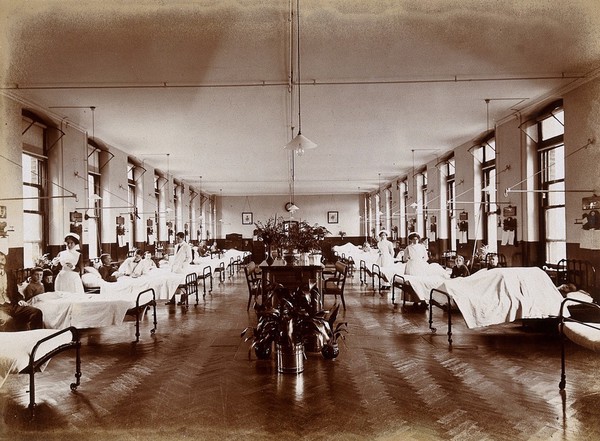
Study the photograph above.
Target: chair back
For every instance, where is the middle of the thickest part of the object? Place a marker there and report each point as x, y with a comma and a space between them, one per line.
341, 270
250, 272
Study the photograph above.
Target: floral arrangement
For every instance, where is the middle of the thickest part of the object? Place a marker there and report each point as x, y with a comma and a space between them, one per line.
482, 252
43, 261
342, 234
270, 232
299, 236
303, 237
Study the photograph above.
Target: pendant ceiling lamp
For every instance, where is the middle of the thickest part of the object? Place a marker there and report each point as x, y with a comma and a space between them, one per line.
299, 143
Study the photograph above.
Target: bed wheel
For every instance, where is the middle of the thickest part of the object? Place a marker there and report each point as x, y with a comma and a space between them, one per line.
433, 330
153, 331
73, 387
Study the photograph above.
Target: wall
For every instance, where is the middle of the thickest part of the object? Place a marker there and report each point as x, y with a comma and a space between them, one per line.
313, 209
582, 123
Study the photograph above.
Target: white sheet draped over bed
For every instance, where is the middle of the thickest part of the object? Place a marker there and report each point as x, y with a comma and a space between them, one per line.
63, 309
16, 347
503, 295
357, 254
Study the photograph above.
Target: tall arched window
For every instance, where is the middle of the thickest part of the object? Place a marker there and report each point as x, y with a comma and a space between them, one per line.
131, 202
551, 162
91, 234
422, 202
35, 191
403, 199
450, 173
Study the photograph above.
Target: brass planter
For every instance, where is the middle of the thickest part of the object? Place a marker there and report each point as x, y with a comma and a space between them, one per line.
290, 359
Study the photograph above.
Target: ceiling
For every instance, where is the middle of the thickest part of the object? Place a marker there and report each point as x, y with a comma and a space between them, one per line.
200, 89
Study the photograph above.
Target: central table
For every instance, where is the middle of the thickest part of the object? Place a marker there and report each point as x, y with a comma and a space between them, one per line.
291, 276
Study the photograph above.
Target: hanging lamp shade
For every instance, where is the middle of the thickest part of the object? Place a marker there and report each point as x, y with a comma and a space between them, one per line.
300, 143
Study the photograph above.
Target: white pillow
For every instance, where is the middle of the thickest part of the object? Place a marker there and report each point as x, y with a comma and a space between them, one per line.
91, 280
92, 270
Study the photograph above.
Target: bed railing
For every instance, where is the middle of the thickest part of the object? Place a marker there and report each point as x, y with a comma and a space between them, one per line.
36, 364
586, 326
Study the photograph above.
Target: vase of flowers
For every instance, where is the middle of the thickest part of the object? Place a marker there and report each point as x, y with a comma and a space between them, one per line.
271, 234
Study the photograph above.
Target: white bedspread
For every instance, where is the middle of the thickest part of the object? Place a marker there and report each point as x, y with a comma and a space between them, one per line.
16, 347
162, 280
422, 286
503, 295
63, 309
357, 254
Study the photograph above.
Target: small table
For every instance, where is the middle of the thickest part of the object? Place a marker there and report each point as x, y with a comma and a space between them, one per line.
290, 276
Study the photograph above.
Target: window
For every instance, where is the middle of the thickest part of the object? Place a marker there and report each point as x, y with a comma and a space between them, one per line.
489, 214
388, 211
159, 207
403, 190
130, 232
34, 218
34, 170
422, 203
91, 234
551, 156
451, 206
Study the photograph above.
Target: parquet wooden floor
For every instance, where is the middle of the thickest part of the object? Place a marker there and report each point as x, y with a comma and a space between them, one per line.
393, 380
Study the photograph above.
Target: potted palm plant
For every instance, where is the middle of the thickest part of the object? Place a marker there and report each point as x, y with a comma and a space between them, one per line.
288, 325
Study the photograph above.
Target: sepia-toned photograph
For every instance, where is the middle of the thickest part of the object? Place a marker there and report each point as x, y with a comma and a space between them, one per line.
418, 255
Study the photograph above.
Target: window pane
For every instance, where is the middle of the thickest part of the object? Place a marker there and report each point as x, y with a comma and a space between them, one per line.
31, 204
553, 125
554, 163
32, 224
555, 224
556, 196
489, 150
31, 173
555, 251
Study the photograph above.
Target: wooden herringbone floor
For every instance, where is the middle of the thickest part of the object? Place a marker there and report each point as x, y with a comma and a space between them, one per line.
393, 380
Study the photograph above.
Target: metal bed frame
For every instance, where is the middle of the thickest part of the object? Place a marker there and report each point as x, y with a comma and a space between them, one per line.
138, 311
35, 365
563, 338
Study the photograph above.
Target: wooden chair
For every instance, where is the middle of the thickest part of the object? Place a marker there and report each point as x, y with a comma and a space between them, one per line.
335, 285
253, 281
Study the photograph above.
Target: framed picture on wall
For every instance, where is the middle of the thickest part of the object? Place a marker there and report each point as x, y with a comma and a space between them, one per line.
247, 218
332, 217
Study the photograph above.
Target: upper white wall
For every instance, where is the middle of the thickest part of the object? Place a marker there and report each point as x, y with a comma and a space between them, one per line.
313, 209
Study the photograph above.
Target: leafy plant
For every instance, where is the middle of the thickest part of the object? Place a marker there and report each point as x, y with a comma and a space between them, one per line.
293, 318
270, 232
335, 330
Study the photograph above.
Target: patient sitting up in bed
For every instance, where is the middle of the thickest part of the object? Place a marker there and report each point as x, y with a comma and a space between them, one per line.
459, 269
133, 266
35, 285
48, 280
16, 314
107, 270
